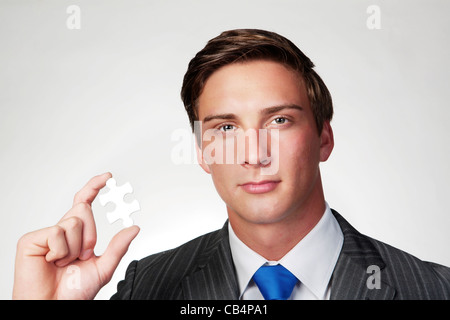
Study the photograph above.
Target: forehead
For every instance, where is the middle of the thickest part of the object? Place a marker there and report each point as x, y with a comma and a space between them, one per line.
251, 86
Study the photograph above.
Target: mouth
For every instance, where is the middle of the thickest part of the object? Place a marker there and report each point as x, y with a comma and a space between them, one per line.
260, 186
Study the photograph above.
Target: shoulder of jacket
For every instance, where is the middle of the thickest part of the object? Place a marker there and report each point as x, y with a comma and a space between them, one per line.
185, 254
407, 270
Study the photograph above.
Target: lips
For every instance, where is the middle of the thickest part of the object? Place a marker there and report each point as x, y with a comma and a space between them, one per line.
260, 186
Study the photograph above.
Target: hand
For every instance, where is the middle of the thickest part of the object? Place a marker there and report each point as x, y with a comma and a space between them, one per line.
48, 259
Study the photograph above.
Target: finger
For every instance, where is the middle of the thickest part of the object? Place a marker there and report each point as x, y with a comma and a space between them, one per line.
83, 212
48, 242
73, 230
56, 243
88, 193
115, 251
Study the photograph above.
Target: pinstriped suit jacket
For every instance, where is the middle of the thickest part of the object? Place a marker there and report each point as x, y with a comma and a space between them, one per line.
203, 269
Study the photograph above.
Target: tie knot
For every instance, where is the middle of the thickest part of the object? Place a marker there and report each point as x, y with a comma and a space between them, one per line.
275, 282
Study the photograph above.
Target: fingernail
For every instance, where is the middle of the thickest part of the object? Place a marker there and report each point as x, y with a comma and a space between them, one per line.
61, 263
86, 254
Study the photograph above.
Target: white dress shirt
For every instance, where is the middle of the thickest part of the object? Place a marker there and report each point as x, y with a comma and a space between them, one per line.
312, 261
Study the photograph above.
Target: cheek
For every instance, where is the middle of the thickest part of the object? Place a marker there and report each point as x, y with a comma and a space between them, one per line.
224, 179
299, 153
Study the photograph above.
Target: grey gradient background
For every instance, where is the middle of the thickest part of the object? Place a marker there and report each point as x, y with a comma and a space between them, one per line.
77, 103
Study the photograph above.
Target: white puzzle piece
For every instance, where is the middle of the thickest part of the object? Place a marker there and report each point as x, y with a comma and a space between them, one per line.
123, 209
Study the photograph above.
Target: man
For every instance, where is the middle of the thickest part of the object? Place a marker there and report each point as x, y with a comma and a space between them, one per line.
282, 240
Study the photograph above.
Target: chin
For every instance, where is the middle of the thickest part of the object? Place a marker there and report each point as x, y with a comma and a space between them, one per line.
259, 213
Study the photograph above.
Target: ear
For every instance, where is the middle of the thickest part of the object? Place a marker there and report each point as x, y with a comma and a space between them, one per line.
326, 141
200, 159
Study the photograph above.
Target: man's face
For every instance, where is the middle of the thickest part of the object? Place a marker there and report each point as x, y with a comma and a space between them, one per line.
248, 97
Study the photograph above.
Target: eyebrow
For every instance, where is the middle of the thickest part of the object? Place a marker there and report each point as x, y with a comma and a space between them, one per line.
223, 116
265, 111
275, 109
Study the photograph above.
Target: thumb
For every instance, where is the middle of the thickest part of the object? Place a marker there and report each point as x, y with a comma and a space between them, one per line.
108, 262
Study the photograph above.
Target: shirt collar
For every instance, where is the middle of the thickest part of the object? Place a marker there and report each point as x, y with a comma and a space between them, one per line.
312, 260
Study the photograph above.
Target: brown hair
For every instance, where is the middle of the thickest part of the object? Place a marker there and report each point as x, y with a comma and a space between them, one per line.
252, 44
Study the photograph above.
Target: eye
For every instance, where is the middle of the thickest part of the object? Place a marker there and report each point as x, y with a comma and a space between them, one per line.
279, 120
226, 127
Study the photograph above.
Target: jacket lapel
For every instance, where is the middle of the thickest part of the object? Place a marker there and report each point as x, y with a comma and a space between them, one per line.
358, 273
215, 278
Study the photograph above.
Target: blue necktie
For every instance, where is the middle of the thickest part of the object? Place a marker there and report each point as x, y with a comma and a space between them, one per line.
275, 282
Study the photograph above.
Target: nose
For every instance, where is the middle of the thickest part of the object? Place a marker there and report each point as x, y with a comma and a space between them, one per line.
254, 148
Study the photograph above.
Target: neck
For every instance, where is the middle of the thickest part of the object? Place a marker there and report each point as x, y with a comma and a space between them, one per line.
273, 240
